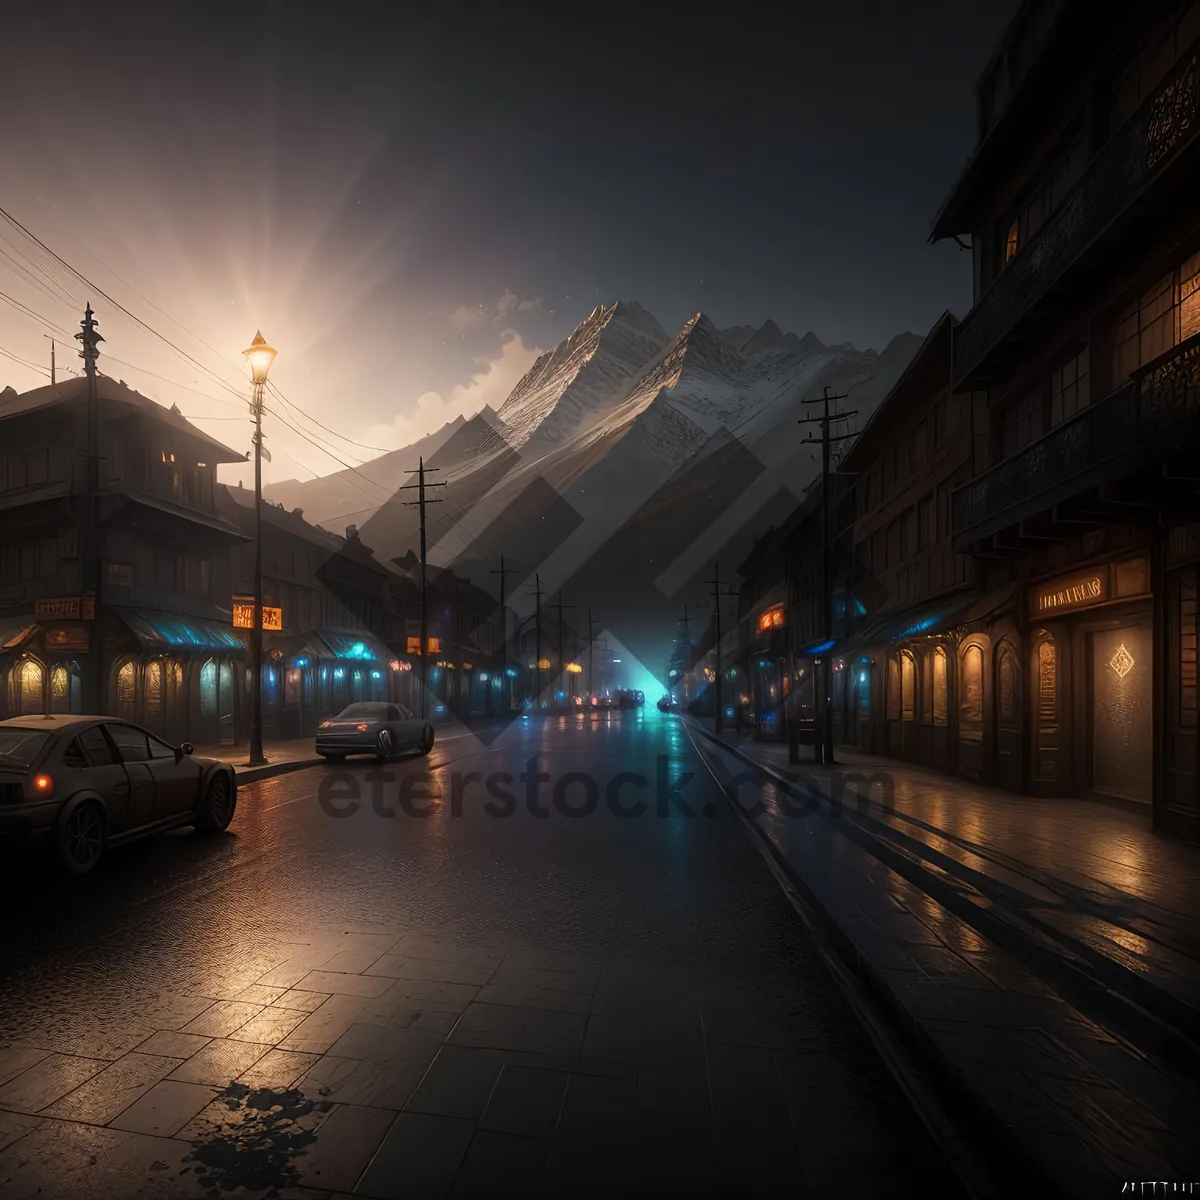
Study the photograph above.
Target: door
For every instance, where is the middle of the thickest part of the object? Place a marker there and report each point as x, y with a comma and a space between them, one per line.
226, 730
1049, 771
176, 784
1008, 717
133, 747
93, 763
1122, 701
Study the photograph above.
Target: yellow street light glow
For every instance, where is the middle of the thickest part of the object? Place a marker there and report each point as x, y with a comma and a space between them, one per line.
259, 356
574, 668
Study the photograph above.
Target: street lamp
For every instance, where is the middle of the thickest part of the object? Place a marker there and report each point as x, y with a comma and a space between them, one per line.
259, 358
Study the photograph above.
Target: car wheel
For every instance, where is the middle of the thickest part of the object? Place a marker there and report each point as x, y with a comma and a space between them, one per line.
385, 746
218, 806
79, 841
427, 740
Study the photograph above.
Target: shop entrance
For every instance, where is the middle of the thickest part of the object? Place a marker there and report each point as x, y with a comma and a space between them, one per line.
1122, 693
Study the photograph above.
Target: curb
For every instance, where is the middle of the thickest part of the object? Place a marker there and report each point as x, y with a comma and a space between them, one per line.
270, 770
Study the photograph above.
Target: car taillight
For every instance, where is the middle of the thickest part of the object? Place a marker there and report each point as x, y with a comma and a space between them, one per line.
42, 784
363, 727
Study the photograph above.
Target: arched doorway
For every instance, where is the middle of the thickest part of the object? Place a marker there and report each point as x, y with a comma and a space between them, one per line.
66, 689
125, 690
908, 703
862, 706
30, 681
1008, 716
970, 708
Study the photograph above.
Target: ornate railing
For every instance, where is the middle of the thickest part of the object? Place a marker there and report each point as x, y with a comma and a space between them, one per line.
1115, 178
1168, 391
1012, 488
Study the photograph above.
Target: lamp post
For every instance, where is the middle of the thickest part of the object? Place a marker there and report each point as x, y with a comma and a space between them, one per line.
259, 357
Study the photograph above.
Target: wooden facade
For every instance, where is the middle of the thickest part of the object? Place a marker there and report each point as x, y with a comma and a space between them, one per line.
1080, 353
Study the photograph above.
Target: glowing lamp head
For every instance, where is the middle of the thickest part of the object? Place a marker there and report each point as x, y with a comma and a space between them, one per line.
259, 356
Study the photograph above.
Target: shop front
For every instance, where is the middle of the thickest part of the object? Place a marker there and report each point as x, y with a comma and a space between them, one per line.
175, 675
1177, 805
770, 675
1089, 683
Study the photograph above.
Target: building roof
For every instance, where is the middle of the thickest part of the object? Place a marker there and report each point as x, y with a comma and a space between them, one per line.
893, 410
112, 393
238, 503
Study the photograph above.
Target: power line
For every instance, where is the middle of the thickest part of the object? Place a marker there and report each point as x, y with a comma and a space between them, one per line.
292, 405
116, 303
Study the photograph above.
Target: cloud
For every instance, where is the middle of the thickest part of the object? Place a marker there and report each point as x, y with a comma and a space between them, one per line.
491, 384
474, 316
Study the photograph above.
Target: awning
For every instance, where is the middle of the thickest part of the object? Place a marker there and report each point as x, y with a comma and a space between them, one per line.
167, 633
15, 631
936, 616
922, 620
360, 647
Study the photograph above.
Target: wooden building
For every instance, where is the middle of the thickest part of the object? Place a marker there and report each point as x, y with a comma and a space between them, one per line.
1081, 356
155, 642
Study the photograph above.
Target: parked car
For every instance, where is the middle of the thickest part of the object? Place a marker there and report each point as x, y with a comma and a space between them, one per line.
373, 727
84, 784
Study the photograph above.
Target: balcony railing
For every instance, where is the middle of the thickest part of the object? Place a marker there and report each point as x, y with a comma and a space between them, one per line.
1119, 174
1048, 470
1145, 416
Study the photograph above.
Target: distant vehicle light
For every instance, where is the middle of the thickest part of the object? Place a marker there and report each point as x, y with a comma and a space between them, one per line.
43, 784
362, 727
325, 725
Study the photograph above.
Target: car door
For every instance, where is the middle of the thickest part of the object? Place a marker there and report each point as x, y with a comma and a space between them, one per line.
176, 783
93, 763
133, 747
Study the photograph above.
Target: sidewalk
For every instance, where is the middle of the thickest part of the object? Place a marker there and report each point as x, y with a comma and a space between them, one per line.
1041, 956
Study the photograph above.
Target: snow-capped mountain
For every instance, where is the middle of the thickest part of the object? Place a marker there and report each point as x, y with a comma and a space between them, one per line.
624, 459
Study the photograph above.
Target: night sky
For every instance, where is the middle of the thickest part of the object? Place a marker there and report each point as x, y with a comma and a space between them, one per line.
410, 201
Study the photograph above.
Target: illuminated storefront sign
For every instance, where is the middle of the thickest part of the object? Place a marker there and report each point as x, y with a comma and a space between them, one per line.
1066, 595
771, 619
65, 608
243, 616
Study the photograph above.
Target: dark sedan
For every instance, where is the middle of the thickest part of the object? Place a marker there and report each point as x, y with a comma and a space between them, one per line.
83, 784
373, 727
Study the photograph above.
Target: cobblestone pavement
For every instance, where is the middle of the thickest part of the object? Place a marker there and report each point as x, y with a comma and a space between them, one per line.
460, 1003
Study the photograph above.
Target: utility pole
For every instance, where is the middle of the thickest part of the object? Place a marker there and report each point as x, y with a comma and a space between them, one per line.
89, 337
503, 616
537, 633
562, 662
420, 502
826, 440
717, 594
53, 373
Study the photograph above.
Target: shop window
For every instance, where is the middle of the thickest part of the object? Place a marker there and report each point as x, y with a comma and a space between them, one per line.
971, 708
208, 689
31, 686
127, 690
1047, 691
939, 686
862, 688
908, 682
154, 692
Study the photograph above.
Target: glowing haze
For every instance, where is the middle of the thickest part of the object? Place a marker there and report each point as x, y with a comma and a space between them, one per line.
411, 204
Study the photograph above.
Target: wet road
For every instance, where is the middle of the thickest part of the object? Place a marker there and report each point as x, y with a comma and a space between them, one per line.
523, 985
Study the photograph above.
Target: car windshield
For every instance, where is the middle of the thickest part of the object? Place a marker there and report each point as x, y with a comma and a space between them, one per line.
375, 712
19, 747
